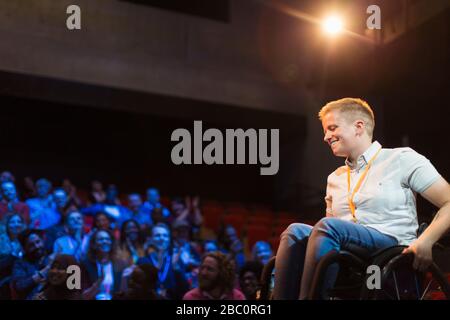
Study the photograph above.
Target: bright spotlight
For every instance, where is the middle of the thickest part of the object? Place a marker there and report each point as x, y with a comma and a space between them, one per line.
332, 25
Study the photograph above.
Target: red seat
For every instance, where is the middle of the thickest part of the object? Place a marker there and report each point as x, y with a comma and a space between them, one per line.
236, 220
274, 243
256, 233
285, 222
278, 230
212, 217
259, 220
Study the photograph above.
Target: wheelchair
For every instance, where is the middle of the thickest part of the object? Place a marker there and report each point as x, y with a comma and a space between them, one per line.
398, 279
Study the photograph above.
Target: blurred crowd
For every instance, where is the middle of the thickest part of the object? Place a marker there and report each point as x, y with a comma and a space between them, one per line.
134, 248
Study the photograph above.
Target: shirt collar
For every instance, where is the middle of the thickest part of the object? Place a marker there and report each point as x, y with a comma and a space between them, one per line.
365, 157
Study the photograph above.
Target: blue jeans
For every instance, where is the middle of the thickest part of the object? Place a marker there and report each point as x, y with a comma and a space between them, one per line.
302, 246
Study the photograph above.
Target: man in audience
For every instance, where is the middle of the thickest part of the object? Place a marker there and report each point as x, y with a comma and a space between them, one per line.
62, 207
10, 202
30, 273
216, 280
116, 212
262, 252
42, 208
140, 213
153, 202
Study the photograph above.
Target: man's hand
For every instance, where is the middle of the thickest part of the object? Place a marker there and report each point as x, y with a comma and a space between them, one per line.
423, 256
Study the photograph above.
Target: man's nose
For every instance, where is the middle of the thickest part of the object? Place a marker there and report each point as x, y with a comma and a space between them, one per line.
326, 136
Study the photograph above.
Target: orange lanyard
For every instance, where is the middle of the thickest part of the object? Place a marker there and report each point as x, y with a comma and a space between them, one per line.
358, 185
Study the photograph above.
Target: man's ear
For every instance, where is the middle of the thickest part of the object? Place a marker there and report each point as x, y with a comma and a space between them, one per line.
360, 126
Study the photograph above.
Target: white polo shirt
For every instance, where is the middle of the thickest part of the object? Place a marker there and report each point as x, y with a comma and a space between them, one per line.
386, 199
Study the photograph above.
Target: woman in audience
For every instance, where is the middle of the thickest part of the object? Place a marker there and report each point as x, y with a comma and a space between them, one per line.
171, 283
141, 284
9, 238
102, 266
72, 242
56, 287
131, 242
97, 195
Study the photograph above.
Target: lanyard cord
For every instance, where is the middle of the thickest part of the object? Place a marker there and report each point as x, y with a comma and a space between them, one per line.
358, 185
164, 269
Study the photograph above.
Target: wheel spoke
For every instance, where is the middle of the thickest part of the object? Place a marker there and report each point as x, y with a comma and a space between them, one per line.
396, 285
426, 289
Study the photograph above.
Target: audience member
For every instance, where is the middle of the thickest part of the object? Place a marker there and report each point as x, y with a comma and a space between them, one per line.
10, 203
71, 242
42, 208
250, 279
102, 267
131, 242
56, 287
171, 283
262, 252
216, 279
9, 238
30, 273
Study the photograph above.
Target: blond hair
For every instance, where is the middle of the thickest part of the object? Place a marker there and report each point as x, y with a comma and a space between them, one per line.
351, 109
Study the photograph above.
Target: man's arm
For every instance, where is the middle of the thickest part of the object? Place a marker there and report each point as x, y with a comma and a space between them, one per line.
439, 195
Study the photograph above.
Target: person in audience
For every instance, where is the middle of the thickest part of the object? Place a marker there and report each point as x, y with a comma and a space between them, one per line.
115, 211
158, 217
171, 283
230, 244
141, 284
30, 273
186, 251
97, 195
250, 279
140, 213
10, 203
71, 242
101, 222
10, 251
262, 252
7, 176
216, 279
56, 287
210, 246
131, 242
29, 190
9, 238
62, 207
187, 210
103, 270
71, 191
42, 208
153, 202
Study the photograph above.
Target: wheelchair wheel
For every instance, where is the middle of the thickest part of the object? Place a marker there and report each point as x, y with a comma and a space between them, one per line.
399, 281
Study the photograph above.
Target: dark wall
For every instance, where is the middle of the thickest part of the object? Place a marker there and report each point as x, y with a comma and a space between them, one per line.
132, 150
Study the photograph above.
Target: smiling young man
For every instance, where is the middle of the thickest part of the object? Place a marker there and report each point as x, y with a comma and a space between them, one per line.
370, 202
